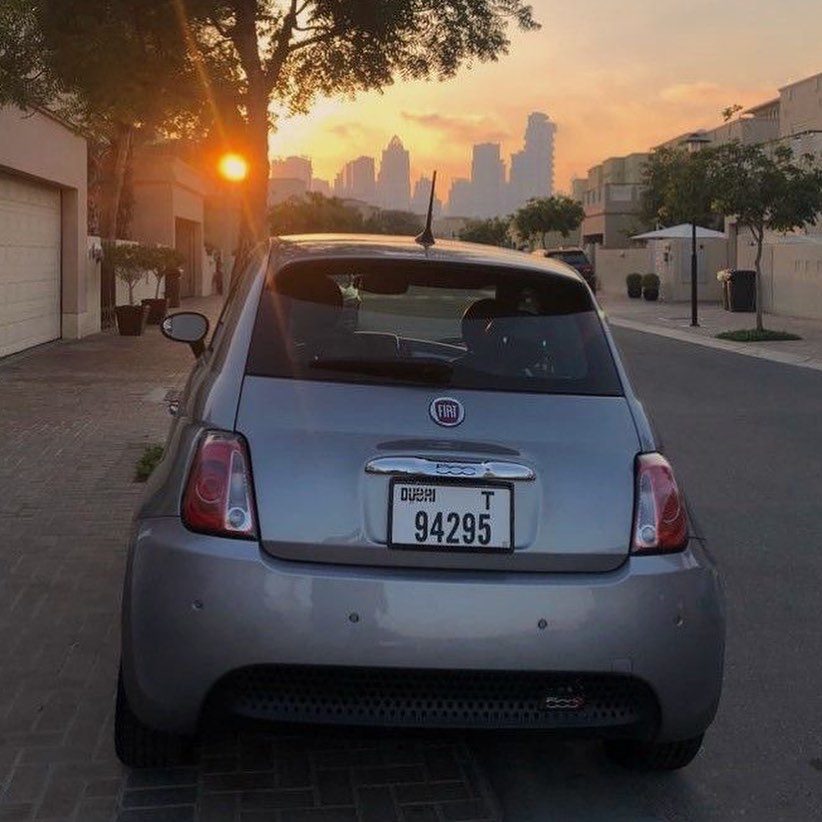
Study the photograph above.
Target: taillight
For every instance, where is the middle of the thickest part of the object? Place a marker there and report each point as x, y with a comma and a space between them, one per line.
219, 498
660, 520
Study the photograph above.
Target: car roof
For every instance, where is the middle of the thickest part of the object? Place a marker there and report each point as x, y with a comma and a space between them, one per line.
378, 246
568, 249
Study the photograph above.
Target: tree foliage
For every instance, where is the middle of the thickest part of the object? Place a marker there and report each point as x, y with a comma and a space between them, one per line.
539, 216
493, 231
389, 221
676, 188
766, 189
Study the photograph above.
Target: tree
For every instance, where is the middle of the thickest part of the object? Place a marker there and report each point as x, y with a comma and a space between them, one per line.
767, 190
314, 213
539, 216
399, 223
281, 54
493, 231
677, 188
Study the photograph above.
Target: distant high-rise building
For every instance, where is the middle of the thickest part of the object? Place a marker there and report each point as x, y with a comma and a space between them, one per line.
487, 180
360, 179
394, 181
461, 198
422, 194
321, 186
292, 168
532, 169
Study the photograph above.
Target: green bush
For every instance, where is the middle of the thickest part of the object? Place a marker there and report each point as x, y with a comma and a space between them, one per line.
148, 462
651, 282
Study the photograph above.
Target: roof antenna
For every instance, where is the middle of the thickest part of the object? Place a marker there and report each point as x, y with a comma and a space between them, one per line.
426, 237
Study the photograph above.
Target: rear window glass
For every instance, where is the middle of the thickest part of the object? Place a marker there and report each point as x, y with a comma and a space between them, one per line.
395, 322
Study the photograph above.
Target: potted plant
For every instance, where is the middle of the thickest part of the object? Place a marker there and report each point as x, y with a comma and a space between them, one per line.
158, 260
634, 283
127, 261
650, 287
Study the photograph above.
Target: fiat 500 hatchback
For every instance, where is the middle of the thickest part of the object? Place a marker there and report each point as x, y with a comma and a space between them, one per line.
411, 486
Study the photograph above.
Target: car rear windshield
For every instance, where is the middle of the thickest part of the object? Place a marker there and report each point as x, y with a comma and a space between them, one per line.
433, 324
570, 257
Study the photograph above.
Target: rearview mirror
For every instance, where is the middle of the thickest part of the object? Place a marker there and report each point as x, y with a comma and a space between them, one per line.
188, 327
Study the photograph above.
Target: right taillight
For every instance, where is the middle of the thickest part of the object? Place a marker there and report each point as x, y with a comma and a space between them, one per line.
660, 519
218, 498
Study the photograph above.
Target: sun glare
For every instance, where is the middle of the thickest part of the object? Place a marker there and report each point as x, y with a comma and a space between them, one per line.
233, 167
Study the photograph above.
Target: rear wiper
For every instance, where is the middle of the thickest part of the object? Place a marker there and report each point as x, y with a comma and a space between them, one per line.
436, 371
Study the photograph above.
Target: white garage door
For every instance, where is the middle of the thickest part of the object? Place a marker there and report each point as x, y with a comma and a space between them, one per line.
29, 264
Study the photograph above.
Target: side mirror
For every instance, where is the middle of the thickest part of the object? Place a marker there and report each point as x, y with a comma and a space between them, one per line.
187, 327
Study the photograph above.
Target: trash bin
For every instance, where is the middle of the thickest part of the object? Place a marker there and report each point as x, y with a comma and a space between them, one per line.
173, 276
742, 291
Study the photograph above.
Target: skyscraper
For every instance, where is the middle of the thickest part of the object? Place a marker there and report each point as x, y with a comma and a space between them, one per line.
461, 198
394, 181
292, 168
356, 180
422, 193
487, 180
532, 169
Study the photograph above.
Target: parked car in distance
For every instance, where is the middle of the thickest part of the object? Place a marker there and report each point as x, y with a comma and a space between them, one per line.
451, 513
576, 258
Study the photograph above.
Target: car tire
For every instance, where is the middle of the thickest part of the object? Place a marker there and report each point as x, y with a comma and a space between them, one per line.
139, 746
653, 756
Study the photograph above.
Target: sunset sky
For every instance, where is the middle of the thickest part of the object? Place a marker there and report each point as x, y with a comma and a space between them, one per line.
615, 75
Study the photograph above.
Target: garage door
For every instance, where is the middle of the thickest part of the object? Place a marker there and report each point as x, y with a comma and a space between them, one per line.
29, 264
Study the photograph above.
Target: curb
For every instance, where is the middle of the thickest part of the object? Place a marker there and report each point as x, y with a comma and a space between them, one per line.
744, 349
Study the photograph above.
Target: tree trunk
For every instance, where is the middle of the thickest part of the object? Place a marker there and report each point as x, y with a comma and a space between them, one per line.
254, 216
759, 236
121, 149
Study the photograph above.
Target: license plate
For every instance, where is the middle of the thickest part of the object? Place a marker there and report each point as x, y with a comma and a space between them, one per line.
451, 516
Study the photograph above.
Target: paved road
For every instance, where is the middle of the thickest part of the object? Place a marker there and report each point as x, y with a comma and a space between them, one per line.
746, 438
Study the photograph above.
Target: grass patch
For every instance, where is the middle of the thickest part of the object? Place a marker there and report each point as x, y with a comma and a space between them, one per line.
752, 335
148, 462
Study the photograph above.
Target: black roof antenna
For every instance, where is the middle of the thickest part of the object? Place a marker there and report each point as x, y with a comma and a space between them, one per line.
426, 236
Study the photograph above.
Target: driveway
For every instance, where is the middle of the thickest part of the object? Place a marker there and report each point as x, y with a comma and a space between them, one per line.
74, 419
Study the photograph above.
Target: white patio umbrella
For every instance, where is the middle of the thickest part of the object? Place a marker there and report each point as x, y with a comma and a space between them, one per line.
684, 231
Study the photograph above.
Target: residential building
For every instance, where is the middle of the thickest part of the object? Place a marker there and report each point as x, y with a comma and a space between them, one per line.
321, 186
532, 169
800, 106
612, 198
487, 180
394, 181
49, 286
292, 168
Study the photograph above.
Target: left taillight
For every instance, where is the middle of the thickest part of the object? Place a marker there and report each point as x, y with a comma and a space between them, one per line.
660, 518
219, 497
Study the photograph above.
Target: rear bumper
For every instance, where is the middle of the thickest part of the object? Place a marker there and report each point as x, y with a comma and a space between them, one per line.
198, 608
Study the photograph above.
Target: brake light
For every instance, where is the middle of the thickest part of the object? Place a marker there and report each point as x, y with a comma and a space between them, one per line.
660, 520
219, 498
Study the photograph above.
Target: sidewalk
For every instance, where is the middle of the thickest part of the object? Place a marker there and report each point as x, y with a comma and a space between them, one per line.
673, 320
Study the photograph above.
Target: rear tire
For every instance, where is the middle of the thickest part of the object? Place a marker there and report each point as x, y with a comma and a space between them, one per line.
139, 746
653, 756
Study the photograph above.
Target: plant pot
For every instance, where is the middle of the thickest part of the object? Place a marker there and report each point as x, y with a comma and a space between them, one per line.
156, 309
131, 319
651, 294
635, 292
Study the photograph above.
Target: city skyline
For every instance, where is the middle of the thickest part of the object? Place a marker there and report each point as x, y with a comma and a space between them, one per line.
493, 188
647, 72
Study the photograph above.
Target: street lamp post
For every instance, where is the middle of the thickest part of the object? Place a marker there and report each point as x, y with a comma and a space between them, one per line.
694, 143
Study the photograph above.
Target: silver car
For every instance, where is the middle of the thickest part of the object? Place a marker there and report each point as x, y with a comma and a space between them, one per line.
451, 513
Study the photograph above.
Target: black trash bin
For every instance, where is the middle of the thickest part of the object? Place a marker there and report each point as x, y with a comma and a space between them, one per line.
173, 276
742, 291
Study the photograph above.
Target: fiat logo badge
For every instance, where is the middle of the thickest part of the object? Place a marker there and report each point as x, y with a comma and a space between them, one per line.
446, 411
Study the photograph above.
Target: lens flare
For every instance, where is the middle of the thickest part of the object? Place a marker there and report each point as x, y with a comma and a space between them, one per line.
233, 167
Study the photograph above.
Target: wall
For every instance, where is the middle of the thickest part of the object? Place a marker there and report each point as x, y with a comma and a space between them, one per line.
613, 265
40, 147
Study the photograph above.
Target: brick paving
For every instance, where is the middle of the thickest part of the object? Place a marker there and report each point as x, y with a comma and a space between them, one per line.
74, 418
